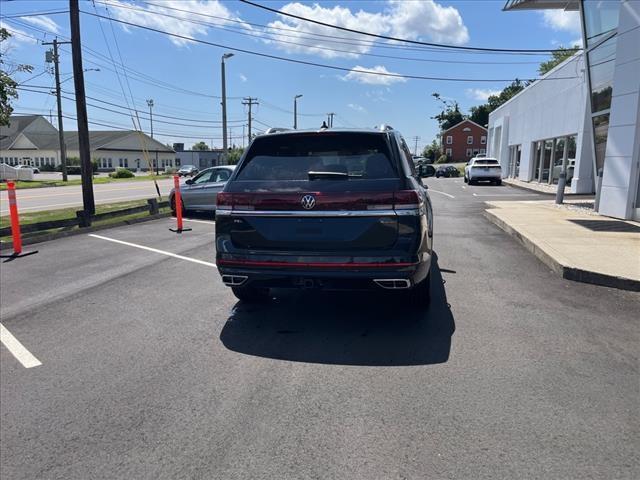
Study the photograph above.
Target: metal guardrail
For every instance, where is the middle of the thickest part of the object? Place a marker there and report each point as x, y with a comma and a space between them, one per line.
152, 207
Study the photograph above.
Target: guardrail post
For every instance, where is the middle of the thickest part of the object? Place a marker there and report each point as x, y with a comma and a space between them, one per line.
84, 218
153, 206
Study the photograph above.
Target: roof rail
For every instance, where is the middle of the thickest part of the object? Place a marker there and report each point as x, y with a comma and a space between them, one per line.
276, 130
384, 127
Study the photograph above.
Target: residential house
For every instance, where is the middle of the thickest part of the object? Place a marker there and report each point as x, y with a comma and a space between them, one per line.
463, 141
32, 140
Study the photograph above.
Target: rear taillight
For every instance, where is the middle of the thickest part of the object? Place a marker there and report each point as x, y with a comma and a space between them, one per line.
324, 201
406, 200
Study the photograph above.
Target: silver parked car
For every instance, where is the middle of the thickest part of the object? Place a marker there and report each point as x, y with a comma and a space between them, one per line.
200, 192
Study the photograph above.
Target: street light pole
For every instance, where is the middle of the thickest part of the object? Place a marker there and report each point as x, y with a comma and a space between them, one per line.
295, 111
150, 104
224, 109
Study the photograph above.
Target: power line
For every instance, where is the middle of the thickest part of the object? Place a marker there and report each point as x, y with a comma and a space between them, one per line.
396, 39
274, 37
32, 14
314, 64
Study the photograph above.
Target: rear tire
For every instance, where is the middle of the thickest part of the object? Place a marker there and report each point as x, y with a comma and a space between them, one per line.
466, 180
498, 182
420, 295
251, 294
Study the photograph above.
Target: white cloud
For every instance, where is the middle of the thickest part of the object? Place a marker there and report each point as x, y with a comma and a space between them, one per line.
43, 22
243, 78
357, 108
481, 94
358, 74
412, 20
17, 36
155, 16
562, 20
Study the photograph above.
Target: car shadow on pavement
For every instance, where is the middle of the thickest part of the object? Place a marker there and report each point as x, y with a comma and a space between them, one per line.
344, 328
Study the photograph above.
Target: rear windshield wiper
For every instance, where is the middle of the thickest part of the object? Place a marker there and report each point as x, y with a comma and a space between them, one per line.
328, 175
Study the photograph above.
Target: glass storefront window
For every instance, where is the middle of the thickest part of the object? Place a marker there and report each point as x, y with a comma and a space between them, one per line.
600, 18
601, 67
600, 129
537, 146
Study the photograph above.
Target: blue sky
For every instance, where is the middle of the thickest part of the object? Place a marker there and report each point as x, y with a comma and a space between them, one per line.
183, 78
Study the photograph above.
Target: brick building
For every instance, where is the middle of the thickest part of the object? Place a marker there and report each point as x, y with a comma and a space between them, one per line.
463, 141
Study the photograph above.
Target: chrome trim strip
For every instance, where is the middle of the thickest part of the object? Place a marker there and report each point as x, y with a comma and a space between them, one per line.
317, 213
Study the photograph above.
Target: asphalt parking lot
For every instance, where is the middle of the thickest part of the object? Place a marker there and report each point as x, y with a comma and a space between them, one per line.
149, 368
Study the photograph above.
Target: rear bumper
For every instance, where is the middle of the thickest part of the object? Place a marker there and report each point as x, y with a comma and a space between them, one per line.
325, 275
485, 176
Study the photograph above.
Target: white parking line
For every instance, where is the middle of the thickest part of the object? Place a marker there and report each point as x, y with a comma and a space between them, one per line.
506, 195
199, 221
441, 193
24, 356
155, 250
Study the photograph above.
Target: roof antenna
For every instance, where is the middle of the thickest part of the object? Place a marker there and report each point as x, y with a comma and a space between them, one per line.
324, 124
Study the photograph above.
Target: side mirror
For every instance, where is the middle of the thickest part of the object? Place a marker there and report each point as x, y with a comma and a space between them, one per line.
428, 171
189, 182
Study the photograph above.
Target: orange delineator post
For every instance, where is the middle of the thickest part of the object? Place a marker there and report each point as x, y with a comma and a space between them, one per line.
15, 221
178, 201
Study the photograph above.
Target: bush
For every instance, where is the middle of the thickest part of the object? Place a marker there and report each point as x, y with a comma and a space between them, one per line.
442, 159
122, 173
47, 168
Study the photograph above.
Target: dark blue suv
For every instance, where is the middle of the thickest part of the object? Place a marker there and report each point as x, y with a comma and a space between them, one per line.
327, 209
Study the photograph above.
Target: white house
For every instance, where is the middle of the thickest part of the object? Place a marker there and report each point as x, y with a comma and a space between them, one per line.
32, 140
590, 103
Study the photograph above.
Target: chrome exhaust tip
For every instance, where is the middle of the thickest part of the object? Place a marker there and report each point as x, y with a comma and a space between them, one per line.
234, 280
393, 283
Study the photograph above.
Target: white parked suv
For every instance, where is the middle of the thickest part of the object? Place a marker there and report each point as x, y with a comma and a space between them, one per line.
483, 169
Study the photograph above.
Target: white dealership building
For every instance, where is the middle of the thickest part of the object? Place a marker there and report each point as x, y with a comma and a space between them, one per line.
582, 115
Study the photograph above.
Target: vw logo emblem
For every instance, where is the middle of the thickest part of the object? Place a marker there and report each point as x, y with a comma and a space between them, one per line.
308, 202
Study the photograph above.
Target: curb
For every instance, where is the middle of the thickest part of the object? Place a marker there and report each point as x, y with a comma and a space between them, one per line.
568, 273
54, 236
528, 189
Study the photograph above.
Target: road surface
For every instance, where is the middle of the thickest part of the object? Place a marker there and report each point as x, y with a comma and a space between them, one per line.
151, 369
35, 199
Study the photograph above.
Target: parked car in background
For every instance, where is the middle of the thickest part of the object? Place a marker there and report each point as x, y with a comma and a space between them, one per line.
35, 169
447, 171
330, 209
187, 171
480, 169
199, 192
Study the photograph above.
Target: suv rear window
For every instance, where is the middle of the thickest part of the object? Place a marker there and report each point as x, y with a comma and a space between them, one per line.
350, 156
486, 162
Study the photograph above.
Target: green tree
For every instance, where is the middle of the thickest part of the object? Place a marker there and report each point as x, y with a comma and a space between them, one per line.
201, 146
8, 86
450, 114
494, 101
480, 114
234, 155
557, 57
432, 151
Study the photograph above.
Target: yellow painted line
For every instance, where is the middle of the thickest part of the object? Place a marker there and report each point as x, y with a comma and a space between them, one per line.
24, 356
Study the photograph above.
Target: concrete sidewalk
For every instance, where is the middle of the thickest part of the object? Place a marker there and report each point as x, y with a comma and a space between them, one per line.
575, 243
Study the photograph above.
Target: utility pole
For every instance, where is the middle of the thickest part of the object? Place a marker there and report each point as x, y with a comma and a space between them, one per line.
415, 150
224, 109
330, 119
81, 112
150, 104
295, 111
250, 102
56, 67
